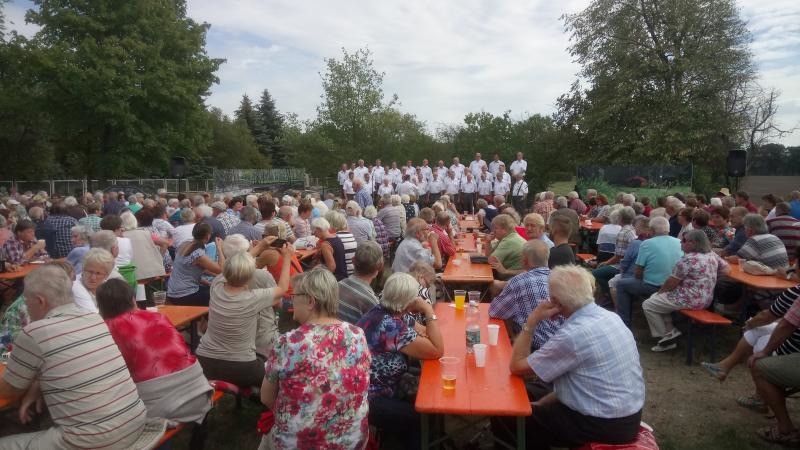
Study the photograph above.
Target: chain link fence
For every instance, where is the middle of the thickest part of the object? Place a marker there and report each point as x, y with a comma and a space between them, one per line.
78, 187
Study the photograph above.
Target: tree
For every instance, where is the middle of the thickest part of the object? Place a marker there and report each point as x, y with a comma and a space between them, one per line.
660, 77
232, 146
272, 129
123, 83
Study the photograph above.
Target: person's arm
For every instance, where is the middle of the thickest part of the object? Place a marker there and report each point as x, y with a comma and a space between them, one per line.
287, 253
32, 398
210, 266
430, 346
670, 284
31, 253
256, 250
326, 253
522, 345
764, 317
610, 261
638, 272
433, 240
782, 332
269, 393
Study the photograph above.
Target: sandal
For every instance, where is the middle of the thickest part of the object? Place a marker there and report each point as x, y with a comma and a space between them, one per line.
752, 403
715, 370
772, 434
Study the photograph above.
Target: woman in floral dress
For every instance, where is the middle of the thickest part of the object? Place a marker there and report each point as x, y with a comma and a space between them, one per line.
317, 375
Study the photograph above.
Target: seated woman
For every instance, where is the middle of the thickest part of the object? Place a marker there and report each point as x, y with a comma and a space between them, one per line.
185, 286
168, 378
317, 375
392, 339
98, 266
607, 237
425, 275
331, 250
227, 349
270, 258
691, 286
146, 257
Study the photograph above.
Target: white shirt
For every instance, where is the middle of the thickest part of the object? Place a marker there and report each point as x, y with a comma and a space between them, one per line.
343, 174
485, 187
519, 166
520, 189
506, 178
384, 189
394, 176
452, 185
422, 187
125, 255
458, 170
182, 233
435, 186
475, 168
359, 172
501, 187
494, 167
441, 172
369, 187
406, 188
426, 173
469, 187
411, 170
348, 187
377, 174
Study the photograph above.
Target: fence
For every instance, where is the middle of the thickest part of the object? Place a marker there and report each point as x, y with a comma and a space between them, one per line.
78, 187
240, 181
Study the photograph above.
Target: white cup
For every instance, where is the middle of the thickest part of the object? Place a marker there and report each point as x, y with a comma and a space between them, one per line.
494, 330
456, 262
480, 354
140, 295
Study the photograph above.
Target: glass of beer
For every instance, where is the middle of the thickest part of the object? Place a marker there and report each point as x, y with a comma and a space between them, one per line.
449, 365
460, 296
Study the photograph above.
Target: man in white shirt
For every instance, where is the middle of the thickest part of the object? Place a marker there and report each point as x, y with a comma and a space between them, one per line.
452, 186
349, 193
385, 188
425, 171
435, 188
468, 189
441, 170
410, 169
342, 176
486, 187
377, 173
369, 186
394, 174
519, 166
501, 186
406, 187
422, 190
494, 166
502, 170
519, 194
476, 166
360, 170
457, 168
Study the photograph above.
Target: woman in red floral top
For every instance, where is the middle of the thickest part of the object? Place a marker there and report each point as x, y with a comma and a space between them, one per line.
317, 375
167, 375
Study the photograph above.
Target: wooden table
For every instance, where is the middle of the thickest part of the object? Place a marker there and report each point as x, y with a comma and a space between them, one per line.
592, 227
480, 391
756, 282
6, 402
467, 272
183, 315
468, 222
23, 271
466, 242
305, 253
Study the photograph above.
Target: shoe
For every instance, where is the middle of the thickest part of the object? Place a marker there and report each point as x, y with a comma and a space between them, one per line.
658, 348
671, 336
715, 370
752, 403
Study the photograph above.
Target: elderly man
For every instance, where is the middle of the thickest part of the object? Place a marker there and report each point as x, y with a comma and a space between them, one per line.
673, 207
363, 229
246, 226
356, 296
786, 227
392, 218
657, 256
363, 197
576, 203
205, 214
81, 375
592, 363
505, 254
23, 246
228, 220
412, 250
284, 221
740, 236
80, 242
501, 186
535, 229
519, 193
443, 230
57, 227
761, 246
519, 165
524, 292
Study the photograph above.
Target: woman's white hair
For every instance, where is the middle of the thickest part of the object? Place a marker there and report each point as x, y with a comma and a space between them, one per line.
99, 256
70, 201
233, 244
395, 199
370, 212
399, 291
659, 226
320, 224
352, 207
405, 198
128, 221
572, 286
337, 220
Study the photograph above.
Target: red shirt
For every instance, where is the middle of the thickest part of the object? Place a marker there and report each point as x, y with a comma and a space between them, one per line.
150, 345
445, 244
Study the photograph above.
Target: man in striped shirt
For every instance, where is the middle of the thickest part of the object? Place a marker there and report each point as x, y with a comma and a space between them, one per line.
786, 227
356, 297
67, 356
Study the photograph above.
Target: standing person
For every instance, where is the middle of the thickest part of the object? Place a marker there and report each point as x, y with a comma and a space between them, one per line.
342, 176
360, 170
494, 166
317, 375
386, 188
519, 165
363, 197
476, 166
502, 170
468, 189
441, 170
486, 187
425, 172
457, 168
347, 187
378, 173
519, 193
452, 186
501, 186
394, 174
435, 188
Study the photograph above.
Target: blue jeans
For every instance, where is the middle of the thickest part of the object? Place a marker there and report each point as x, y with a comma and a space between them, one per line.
627, 290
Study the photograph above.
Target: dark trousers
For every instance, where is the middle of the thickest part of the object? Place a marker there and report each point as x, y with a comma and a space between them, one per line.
433, 198
240, 373
519, 204
199, 298
556, 425
397, 417
467, 202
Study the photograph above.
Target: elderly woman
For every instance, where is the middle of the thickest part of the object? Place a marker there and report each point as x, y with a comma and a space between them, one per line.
168, 378
761, 246
317, 375
339, 224
535, 229
98, 266
113, 223
331, 250
607, 237
381, 234
80, 241
227, 349
601, 210
719, 216
185, 287
146, 256
392, 338
685, 220
691, 286
392, 217
361, 228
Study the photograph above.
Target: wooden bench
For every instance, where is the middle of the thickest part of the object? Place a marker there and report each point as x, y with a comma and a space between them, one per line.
585, 257
171, 432
645, 440
706, 318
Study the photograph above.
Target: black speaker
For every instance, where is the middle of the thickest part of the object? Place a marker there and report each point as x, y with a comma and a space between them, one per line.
737, 163
177, 166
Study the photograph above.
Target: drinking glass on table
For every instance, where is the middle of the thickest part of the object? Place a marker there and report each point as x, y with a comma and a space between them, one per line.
159, 298
460, 296
449, 365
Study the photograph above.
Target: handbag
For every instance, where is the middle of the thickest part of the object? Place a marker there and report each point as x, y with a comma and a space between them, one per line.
757, 268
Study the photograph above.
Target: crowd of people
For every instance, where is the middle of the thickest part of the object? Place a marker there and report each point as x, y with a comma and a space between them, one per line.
362, 306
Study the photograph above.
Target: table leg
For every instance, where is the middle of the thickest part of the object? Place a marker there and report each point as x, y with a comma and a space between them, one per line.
425, 418
521, 433
194, 340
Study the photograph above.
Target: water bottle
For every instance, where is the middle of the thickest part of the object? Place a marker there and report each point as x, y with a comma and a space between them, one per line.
473, 326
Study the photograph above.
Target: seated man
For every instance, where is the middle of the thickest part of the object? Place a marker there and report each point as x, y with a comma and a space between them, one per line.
87, 387
525, 291
786, 227
411, 249
23, 247
442, 229
356, 296
593, 365
505, 254
657, 256
761, 246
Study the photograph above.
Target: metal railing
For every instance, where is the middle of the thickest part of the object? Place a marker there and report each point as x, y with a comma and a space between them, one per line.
78, 187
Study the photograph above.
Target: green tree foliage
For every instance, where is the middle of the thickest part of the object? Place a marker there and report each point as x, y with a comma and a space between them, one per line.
272, 131
232, 144
665, 81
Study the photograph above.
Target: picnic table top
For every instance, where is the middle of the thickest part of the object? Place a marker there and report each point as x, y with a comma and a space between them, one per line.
771, 282
490, 390
466, 272
23, 271
183, 315
591, 226
468, 221
6, 402
465, 242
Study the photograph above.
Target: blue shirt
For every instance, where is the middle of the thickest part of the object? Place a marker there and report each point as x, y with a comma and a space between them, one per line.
593, 363
386, 335
795, 209
658, 256
363, 198
408, 252
520, 296
739, 238
626, 265
75, 257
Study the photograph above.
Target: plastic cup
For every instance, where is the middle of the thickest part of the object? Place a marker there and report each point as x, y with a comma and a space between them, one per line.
588, 222
460, 296
494, 331
456, 262
159, 298
449, 366
465, 256
479, 247
140, 293
474, 296
480, 354
741, 264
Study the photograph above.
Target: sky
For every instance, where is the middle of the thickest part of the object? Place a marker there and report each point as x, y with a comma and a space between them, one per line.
443, 59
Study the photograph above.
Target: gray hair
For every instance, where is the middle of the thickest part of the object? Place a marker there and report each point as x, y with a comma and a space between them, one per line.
233, 244
82, 231
370, 212
352, 208
659, 226
700, 240
204, 210
248, 214
536, 252
99, 256
399, 291
613, 217
128, 221
320, 224
337, 220
572, 286
70, 201
368, 258
715, 201
54, 285
414, 226
658, 212
572, 195
755, 223
405, 198
187, 215
104, 239
395, 200
628, 199
423, 269
132, 198
561, 201
638, 208
320, 284
675, 203
626, 215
